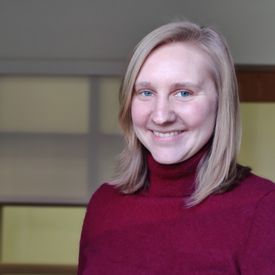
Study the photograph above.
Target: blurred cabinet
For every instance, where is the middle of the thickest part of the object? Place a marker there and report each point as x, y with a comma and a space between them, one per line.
58, 137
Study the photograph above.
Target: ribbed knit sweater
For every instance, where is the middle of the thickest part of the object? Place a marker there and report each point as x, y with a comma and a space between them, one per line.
152, 232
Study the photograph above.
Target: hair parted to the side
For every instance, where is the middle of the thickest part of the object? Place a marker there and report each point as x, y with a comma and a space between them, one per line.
218, 170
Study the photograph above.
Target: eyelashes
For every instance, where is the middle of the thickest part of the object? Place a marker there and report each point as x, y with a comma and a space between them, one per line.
184, 93
180, 94
145, 93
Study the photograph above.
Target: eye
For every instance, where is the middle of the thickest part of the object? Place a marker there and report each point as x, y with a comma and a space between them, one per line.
183, 93
146, 93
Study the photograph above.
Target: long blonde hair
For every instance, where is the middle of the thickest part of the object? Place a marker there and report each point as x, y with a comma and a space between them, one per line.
218, 169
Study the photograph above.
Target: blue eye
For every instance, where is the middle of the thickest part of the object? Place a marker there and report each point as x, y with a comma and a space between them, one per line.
183, 93
146, 93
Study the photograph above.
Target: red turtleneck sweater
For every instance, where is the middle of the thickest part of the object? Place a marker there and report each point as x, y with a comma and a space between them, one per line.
153, 233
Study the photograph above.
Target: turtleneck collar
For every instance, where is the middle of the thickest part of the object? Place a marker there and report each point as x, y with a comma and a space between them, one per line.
173, 180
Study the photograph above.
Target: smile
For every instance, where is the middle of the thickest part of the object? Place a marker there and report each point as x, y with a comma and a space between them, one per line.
166, 134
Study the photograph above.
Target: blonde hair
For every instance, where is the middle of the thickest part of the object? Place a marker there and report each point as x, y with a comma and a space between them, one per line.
218, 169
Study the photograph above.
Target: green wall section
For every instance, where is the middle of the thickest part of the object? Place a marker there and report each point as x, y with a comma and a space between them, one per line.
41, 234
258, 142
51, 234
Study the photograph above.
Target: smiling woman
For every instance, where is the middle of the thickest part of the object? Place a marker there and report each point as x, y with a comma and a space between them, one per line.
174, 113
180, 203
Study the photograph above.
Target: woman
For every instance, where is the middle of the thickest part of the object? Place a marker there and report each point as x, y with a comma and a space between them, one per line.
180, 204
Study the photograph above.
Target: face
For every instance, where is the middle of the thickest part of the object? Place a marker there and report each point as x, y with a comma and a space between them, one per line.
174, 103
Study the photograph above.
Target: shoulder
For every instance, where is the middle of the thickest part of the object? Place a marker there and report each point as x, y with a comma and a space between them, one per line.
104, 194
263, 192
254, 196
100, 207
248, 195
256, 187
258, 248
105, 189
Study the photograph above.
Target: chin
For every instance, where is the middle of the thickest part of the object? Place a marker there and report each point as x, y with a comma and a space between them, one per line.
167, 160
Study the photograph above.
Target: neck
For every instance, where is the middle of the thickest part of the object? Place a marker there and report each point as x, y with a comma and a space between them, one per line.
173, 180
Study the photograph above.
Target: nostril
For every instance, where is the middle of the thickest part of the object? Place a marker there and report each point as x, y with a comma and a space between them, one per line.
163, 116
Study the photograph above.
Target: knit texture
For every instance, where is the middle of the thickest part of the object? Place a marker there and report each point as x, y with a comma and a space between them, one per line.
152, 232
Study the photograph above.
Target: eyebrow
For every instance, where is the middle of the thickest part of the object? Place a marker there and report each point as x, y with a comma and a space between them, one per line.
175, 86
142, 84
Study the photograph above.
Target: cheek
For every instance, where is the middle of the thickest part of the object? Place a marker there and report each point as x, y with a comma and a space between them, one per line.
137, 113
202, 115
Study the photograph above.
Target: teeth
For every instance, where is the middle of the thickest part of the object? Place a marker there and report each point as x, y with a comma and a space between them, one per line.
168, 134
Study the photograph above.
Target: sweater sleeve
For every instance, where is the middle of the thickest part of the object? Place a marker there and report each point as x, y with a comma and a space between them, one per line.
92, 218
86, 233
83, 242
259, 254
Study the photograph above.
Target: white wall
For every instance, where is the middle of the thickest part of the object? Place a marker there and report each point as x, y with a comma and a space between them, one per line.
97, 36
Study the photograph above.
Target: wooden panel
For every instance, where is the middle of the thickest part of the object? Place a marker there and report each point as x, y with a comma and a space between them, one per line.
256, 83
37, 269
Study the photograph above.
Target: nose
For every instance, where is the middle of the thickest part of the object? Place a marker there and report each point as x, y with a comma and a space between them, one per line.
163, 112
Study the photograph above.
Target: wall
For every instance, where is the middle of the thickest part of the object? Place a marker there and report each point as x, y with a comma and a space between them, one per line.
41, 234
95, 37
258, 146
58, 137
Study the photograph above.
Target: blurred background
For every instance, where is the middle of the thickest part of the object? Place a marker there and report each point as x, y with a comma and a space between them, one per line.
61, 64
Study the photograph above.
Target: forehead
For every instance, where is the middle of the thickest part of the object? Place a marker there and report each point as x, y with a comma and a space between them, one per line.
178, 58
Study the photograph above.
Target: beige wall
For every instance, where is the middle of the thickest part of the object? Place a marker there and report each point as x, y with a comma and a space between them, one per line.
51, 235
54, 109
258, 143
90, 37
41, 234
69, 36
